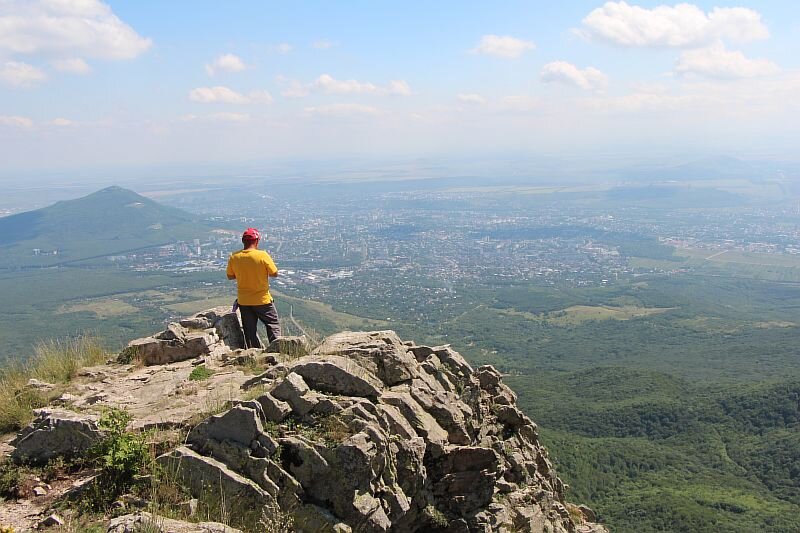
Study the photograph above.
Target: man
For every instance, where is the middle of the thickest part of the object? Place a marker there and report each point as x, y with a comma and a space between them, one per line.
252, 268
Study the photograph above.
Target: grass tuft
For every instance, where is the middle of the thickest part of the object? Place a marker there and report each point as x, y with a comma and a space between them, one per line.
200, 373
55, 362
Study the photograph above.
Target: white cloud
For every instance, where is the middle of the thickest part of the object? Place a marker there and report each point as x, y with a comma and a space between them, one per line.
226, 95
62, 122
296, 90
73, 65
471, 99
717, 62
260, 97
18, 74
588, 79
16, 121
328, 84
219, 94
502, 46
230, 117
342, 110
323, 44
225, 63
283, 48
398, 87
683, 25
68, 28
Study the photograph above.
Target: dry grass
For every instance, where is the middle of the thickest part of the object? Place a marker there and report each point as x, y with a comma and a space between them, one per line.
56, 362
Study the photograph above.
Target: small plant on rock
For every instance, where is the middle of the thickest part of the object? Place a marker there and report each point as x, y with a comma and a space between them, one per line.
200, 373
10, 478
121, 457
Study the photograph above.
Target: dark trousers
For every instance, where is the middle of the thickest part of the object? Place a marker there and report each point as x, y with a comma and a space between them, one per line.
267, 314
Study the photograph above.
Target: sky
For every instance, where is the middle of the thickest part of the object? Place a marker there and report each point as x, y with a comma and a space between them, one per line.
87, 84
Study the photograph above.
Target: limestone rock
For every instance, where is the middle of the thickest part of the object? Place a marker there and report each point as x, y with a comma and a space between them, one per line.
55, 433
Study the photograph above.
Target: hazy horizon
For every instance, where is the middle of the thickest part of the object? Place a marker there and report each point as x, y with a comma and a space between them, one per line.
87, 86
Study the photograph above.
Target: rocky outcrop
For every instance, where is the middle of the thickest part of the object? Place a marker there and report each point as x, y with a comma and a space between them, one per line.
213, 332
366, 433
372, 434
55, 433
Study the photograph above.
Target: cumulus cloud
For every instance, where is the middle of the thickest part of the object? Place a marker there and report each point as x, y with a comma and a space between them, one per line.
19, 74
342, 110
502, 46
16, 121
680, 26
328, 84
67, 28
225, 63
588, 79
73, 65
717, 62
226, 95
471, 99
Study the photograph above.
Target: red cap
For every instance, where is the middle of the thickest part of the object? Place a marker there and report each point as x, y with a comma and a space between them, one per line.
251, 234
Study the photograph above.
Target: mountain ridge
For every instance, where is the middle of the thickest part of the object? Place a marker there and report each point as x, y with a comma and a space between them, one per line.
111, 220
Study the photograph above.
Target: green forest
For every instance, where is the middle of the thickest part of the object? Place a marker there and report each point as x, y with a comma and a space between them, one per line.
668, 403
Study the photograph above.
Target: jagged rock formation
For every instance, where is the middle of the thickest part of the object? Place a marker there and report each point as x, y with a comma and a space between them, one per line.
372, 434
366, 433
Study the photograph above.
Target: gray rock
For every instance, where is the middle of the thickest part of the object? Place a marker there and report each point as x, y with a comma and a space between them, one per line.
338, 375
196, 322
275, 410
206, 477
55, 433
53, 520
133, 523
291, 346
380, 352
240, 425
296, 393
35, 384
156, 351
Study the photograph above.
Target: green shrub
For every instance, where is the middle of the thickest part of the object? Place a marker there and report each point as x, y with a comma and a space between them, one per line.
9, 479
121, 457
201, 373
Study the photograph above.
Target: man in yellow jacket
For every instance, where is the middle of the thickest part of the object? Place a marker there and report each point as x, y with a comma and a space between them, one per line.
252, 268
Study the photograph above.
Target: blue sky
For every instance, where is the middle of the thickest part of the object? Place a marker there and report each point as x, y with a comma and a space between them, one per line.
85, 83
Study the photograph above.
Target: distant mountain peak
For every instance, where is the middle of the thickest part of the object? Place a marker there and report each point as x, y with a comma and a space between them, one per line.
109, 221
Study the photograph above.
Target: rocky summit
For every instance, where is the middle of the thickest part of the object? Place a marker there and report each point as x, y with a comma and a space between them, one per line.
363, 433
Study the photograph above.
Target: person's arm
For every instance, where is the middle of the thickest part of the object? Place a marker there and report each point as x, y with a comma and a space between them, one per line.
231, 274
272, 270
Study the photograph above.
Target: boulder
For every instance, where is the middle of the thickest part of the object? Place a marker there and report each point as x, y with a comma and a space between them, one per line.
208, 478
338, 375
296, 393
134, 523
380, 352
274, 410
55, 433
